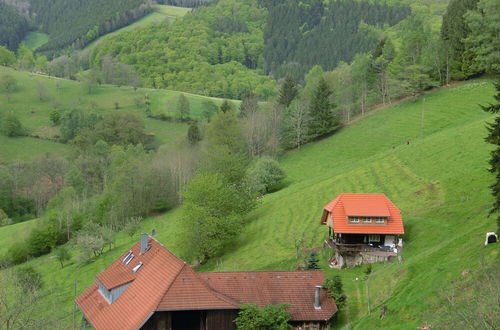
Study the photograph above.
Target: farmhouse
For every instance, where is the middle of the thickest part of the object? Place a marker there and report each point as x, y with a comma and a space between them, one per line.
148, 287
363, 228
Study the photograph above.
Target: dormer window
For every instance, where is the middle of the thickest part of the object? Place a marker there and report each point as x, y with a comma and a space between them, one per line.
354, 219
380, 220
367, 220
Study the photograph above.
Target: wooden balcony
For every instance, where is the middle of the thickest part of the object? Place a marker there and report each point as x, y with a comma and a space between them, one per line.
358, 248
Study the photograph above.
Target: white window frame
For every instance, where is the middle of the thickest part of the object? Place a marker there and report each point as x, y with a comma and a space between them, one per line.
354, 219
367, 220
379, 220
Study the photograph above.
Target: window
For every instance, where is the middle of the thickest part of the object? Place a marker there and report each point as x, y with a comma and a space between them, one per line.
354, 219
127, 256
136, 268
373, 238
367, 220
380, 220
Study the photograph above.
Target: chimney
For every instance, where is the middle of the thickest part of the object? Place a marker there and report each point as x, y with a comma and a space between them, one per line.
316, 297
144, 242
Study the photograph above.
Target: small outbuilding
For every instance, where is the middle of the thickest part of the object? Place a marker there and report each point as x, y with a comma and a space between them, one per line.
363, 228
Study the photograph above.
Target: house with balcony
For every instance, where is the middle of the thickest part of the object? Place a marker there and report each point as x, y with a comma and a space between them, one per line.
363, 228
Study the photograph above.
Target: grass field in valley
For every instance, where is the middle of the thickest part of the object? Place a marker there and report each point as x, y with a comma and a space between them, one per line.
66, 95
35, 40
428, 156
160, 14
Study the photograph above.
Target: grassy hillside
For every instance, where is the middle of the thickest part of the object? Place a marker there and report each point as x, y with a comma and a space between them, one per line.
34, 40
66, 95
428, 156
161, 13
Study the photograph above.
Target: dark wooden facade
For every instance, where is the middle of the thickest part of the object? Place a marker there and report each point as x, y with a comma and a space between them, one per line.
192, 320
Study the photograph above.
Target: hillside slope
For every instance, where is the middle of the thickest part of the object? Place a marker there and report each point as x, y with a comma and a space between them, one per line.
66, 95
428, 156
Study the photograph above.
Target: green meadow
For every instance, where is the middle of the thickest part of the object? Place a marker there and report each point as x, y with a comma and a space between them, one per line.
428, 156
65, 95
34, 40
160, 14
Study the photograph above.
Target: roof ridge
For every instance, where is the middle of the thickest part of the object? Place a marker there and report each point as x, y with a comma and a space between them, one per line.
217, 293
170, 285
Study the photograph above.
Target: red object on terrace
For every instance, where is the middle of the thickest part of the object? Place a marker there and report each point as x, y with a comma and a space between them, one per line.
338, 214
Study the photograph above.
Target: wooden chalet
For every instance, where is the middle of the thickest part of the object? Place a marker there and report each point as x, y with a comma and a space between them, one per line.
148, 287
363, 228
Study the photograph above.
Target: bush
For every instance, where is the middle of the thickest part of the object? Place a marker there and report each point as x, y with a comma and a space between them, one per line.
336, 290
252, 317
55, 117
266, 176
28, 279
42, 240
17, 253
11, 126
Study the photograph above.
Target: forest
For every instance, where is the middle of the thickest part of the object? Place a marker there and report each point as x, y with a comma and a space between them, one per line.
76, 23
216, 51
13, 27
69, 23
336, 30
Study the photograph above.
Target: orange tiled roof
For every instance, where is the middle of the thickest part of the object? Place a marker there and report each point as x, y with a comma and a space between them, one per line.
374, 205
166, 283
189, 292
140, 299
262, 288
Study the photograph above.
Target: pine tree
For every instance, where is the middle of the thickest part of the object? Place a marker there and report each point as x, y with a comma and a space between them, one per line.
494, 138
312, 261
194, 135
454, 31
288, 91
226, 106
183, 106
322, 119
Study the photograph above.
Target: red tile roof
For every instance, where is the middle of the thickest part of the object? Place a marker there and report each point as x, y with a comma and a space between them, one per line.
166, 283
189, 292
262, 288
374, 205
140, 299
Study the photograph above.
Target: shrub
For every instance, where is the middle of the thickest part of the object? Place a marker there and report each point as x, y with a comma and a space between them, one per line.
266, 175
17, 253
11, 126
55, 117
336, 290
252, 317
28, 279
194, 135
42, 240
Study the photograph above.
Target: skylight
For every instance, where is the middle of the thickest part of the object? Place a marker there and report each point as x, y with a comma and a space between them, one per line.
128, 255
136, 268
129, 259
